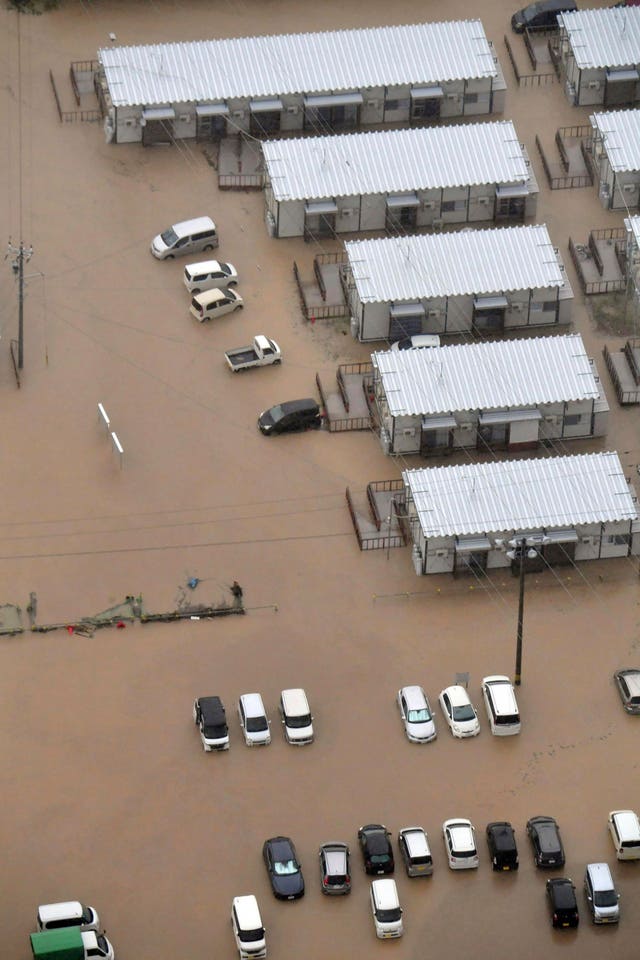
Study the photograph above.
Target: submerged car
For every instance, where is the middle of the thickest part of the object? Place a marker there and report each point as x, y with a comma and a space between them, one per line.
335, 874
209, 715
215, 303
416, 714
502, 845
290, 416
375, 844
459, 712
417, 342
545, 839
628, 684
561, 895
543, 14
253, 720
460, 844
285, 872
413, 844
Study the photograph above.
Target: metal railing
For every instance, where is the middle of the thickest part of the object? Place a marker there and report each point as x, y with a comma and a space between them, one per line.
624, 396
567, 181
240, 181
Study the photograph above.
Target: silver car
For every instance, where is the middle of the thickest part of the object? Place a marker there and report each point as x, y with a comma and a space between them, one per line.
416, 714
628, 683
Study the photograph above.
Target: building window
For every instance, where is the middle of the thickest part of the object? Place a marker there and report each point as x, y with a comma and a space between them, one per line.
448, 206
392, 104
471, 98
572, 419
619, 539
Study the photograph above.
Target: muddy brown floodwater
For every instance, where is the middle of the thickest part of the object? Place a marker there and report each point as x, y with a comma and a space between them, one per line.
106, 793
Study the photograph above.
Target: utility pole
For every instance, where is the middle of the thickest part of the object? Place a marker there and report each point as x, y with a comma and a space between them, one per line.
20, 255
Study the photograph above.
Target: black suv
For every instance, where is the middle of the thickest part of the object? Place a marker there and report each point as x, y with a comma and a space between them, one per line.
502, 845
209, 715
545, 840
376, 848
561, 894
543, 14
290, 416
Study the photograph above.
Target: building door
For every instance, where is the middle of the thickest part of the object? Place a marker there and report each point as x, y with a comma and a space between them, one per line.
157, 131
559, 554
474, 563
264, 123
399, 219
620, 93
493, 437
435, 441
401, 327
509, 208
488, 321
425, 108
211, 128
319, 225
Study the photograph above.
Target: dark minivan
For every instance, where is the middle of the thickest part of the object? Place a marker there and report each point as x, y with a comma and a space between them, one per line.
290, 416
502, 845
543, 14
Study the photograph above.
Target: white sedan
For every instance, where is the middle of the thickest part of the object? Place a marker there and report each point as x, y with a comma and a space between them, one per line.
459, 712
460, 843
416, 714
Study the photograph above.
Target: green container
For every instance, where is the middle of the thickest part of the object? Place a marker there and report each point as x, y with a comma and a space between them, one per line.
58, 944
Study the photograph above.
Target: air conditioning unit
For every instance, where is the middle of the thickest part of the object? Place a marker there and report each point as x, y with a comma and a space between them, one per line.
293, 109
409, 432
373, 103
588, 541
441, 553
347, 212
594, 84
428, 204
453, 96
433, 314
553, 420
467, 427
517, 307
184, 118
630, 187
238, 113
130, 122
484, 201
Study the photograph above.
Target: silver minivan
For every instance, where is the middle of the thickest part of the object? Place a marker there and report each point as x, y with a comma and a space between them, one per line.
501, 705
189, 236
600, 891
69, 913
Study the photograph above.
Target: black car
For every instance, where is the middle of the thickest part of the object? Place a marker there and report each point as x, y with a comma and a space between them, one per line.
545, 839
290, 416
209, 715
502, 845
285, 872
334, 868
543, 14
561, 894
376, 849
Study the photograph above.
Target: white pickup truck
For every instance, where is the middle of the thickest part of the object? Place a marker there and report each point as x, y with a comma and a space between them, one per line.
262, 352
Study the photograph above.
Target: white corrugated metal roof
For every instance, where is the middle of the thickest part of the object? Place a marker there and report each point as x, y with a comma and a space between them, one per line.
633, 226
609, 37
451, 264
297, 63
390, 161
520, 495
620, 130
486, 376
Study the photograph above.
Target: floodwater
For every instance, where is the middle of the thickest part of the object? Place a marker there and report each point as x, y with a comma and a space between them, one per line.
107, 795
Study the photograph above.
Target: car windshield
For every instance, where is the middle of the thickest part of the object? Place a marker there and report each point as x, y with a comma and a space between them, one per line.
103, 945
169, 237
215, 730
530, 11
284, 868
464, 712
87, 915
419, 716
276, 413
379, 858
256, 724
606, 898
224, 268
297, 722
389, 916
248, 936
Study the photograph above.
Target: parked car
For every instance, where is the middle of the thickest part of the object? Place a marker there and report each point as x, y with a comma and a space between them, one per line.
253, 720
628, 683
543, 14
417, 341
215, 303
501, 841
209, 715
188, 236
70, 913
335, 872
624, 828
248, 928
413, 844
285, 872
295, 713
561, 895
386, 909
601, 894
460, 844
544, 834
416, 715
209, 274
501, 706
375, 844
261, 353
459, 712
290, 416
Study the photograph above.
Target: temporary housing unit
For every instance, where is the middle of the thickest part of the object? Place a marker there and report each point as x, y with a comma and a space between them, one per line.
568, 508
397, 180
500, 395
615, 146
483, 281
600, 56
311, 81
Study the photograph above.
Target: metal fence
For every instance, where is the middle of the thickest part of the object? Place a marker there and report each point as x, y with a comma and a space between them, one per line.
71, 116
566, 181
624, 396
528, 79
240, 181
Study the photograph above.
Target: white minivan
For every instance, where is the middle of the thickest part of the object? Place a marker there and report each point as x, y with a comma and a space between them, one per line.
248, 928
189, 236
70, 913
624, 828
209, 274
297, 721
386, 909
215, 303
501, 705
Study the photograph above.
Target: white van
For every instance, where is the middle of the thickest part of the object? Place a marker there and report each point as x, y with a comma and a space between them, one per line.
247, 928
209, 274
624, 828
215, 303
501, 704
600, 891
296, 717
70, 913
189, 236
387, 912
